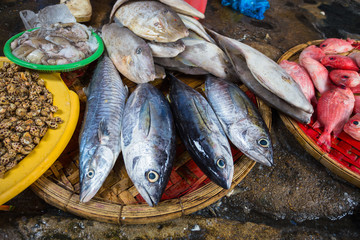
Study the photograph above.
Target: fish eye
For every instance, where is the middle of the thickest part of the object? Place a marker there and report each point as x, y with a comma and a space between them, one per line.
263, 142
356, 123
221, 163
166, 11
91, 173
138, 50
152, 176
331, 58
156, 24
323, 45
345, 76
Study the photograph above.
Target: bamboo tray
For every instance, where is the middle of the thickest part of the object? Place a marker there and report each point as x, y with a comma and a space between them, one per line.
118, 201
344, 156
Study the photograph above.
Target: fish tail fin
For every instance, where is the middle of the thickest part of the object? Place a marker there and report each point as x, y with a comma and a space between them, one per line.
325, 141
316, 124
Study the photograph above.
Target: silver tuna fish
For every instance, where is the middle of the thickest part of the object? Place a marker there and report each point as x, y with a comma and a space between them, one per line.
130, 54
152, 20
201, 132
100, 135
240, 119
267, 72
148, 141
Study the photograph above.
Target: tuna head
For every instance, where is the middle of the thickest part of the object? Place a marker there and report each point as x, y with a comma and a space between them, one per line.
149, 177
94, 171
255, 143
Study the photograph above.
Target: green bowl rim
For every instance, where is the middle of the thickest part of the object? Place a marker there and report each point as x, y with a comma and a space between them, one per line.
64, 67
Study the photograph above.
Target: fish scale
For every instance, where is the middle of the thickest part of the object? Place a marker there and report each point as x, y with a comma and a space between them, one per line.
100, 134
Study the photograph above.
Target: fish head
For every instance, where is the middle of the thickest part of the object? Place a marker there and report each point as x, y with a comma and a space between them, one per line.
150, 177
353, 125
94, 172
256, 144
142, 63
168, 26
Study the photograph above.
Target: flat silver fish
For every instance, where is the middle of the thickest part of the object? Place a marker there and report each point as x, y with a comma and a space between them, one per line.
201, 133
173, 64
267, 72
166, 50
100, 135
194, 25
240, 119
152, 20
178, 5
130, 54
148, 141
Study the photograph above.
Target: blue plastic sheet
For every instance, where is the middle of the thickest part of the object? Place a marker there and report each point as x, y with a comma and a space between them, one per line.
251, 8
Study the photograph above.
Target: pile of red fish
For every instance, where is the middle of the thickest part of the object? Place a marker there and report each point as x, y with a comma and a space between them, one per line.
332, 68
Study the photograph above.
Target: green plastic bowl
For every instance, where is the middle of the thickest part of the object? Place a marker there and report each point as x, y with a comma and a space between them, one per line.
53, 68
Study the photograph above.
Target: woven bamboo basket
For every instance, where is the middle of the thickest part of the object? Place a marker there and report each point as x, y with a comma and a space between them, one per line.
118, 201
344, 156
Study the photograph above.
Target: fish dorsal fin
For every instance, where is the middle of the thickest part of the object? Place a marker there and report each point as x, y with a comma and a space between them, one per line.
145, 118
103, 132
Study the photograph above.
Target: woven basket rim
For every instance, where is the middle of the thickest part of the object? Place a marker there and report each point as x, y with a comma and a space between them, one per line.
305, 141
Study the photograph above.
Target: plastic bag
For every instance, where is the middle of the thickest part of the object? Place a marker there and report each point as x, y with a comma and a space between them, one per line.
251, 8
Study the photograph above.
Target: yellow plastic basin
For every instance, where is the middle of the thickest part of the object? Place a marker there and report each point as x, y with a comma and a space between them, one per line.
51, 145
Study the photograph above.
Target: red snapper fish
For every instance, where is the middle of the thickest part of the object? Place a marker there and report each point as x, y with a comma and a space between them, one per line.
301, 77
357, 104
356, 57
313, 52
352, 127
333, 111
318, 73
339, 62
347, 78
336, 45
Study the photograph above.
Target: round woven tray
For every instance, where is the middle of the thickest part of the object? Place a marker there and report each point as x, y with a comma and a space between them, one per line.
343, 158
118, 201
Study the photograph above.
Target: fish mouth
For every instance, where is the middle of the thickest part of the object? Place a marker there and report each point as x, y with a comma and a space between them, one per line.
267, 159
152, 201
85, 196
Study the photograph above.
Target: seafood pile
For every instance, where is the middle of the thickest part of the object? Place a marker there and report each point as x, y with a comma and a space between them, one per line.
146, 38
331, 69
26, 113
59, 39
57, 44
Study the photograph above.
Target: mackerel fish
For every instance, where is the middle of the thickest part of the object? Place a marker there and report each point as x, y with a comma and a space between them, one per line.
100, 134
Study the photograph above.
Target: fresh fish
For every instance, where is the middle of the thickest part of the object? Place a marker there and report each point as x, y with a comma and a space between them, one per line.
152, 20
347, 78
268, 97
148, 141
206, 55
201, 132
100, 134
356, 57
166, 50
357, 104
176, 65
178, 5
318, 73
313, 52
130, 54
336, 45
240, 120
333, 111
22, 51
194, 25
268, 73
35, 56
352, 127
159, 72
339, 62
301, 77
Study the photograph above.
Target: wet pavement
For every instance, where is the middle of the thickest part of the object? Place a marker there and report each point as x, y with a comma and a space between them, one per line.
297, 198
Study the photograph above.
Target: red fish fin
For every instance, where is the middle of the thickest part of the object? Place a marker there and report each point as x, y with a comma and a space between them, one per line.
325, 141
316, 125
338, 129
313, 101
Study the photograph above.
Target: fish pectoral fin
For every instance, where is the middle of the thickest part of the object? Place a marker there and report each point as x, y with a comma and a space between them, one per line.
145, 118
203, 114
103, 132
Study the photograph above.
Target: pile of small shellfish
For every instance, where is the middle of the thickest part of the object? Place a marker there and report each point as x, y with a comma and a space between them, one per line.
26, 113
